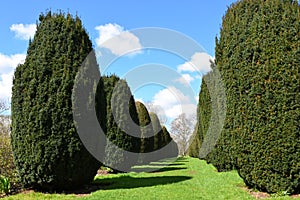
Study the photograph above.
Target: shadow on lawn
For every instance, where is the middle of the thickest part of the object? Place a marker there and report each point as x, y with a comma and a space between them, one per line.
127, 182
171, 164
154, 169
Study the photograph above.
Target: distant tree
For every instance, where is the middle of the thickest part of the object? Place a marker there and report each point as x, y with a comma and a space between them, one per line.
4, 106
7, 167
5, 120
158, 134
181, 130
169, 147
195, 144
120, 114
166, 136
147, 139
158, 110
162, 138
203, 117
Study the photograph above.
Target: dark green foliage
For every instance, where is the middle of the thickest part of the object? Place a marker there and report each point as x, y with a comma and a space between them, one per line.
211, 112
172, 150
195, 145
258, 57
5, 185
162, 138
48, 152
122, 125
147, 141
204, 112
203, 119
166, 138
157, 131
154, 137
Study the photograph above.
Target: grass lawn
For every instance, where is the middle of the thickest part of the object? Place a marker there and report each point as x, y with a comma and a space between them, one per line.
187, 178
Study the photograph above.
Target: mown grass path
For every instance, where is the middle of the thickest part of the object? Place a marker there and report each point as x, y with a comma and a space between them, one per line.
187, 178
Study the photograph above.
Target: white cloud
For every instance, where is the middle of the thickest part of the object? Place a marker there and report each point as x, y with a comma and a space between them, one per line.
107, 32
197, 98
176, 110
198, 77
6, 85
173, 102
185, 79
169, 96
23, 31
8, 63
7, 66
117, 40
200, 62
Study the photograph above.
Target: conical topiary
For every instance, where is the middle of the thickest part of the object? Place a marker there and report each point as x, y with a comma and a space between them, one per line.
47, 150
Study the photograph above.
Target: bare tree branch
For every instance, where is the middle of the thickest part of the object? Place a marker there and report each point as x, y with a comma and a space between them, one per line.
4, 106
4, 119
158, 110
5, 122
181, 130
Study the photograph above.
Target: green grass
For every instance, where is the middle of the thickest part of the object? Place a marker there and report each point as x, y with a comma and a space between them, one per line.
187, 178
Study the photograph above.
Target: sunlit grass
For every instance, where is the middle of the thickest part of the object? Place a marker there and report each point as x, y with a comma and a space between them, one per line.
187, 178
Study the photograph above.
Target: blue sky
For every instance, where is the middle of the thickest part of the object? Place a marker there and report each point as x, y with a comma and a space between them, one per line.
199, 20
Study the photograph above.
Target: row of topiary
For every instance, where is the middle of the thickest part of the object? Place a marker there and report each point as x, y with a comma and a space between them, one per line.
257, 55
48, 91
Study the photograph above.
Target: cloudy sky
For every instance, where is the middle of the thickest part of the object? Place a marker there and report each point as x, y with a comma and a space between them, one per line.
110, 25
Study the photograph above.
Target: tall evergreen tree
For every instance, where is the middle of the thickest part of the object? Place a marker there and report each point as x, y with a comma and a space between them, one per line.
122, 126
147, 139
211, 111
195, 145
157, 131
47, 150
164, 146
166, 136
209, 120
170, 148
257, 55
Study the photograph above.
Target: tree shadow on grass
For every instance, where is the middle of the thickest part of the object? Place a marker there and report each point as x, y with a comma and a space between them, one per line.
120, 182
154, 169
166, 169
128, 182
167, 163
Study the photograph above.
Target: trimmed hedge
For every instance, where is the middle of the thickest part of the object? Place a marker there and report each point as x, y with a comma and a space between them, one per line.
48, 152
147, 142
203, 119
158, 134
162, 138
120, 113
258, 55
166, 138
